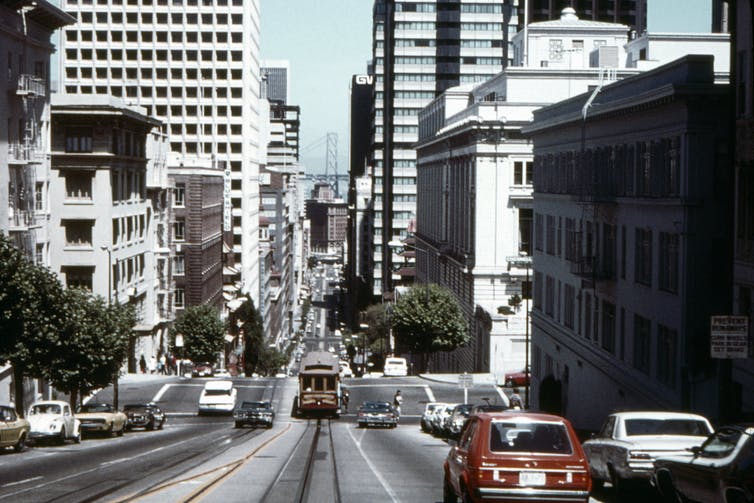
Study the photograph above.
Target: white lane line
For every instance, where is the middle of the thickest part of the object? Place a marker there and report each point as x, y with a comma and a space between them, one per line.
117, 461
162, 391
380, 478
430, 395
19, 482
349, 386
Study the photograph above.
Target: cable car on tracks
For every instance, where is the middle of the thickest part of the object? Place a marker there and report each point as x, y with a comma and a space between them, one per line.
318, 386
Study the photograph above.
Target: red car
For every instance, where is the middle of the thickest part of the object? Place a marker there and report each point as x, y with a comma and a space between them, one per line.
517, 456
520, 378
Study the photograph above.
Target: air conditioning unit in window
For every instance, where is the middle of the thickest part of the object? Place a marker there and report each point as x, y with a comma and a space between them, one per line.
178, 248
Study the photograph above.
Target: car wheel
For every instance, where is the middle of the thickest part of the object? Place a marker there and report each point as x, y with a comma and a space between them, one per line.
448, 494
269, 425
735, 496
466, 495
61, 437
111, 431
161, 423
238, 425
617, 482
77, 438
122, 430
150, 424
21, 444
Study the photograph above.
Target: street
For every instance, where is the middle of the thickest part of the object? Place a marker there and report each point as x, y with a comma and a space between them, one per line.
205, 458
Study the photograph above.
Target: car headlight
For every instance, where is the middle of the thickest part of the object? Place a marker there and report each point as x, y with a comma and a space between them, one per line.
55, 425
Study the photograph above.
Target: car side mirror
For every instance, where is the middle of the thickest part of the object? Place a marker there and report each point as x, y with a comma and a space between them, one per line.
695, 450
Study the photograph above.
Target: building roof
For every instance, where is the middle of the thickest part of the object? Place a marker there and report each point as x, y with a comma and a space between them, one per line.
569, 19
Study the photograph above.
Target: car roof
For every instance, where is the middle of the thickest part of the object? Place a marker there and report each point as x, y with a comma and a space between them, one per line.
218, 385
49, 402
534, 417
657, 414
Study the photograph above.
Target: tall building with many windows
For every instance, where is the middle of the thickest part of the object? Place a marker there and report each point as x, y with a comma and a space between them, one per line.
193, 65
419, 50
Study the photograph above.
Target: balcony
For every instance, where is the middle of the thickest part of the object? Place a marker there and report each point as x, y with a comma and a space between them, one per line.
24, 153
21, 220
31, 85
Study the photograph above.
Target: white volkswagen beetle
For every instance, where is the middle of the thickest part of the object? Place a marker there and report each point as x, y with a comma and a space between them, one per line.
53, 419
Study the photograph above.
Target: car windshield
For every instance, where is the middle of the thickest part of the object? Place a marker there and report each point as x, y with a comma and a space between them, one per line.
462, 410
95, 407
255, 405
547, 438
376, 406
721, 443
651, 426
216, 392
46, 408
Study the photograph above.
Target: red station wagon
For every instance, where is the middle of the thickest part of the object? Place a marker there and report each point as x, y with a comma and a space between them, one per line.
517, 456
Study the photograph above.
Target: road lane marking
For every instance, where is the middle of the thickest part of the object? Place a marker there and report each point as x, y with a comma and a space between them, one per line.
19, 482
430, 395
380, 478
162, 391
349, 386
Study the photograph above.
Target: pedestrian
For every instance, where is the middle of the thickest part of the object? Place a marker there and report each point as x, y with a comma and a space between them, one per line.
515, 400
152, 364
143, 364
344, 400
398, 401
162, 364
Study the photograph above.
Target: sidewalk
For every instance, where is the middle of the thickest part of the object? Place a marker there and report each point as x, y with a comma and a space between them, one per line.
143, 378
484, 378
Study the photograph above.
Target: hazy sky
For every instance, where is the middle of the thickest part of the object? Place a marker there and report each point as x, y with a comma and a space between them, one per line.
326, 42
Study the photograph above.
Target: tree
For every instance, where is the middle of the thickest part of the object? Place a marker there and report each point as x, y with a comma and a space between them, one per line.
92, 346
253, 335
30, 314
428, 319
203, 333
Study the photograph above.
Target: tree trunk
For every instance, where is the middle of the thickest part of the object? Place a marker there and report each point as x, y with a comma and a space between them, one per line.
74, 398
18, 390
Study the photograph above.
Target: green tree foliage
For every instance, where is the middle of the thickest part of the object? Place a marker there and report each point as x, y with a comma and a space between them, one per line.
376, 317
428, 319
253, 336
203, 333
30, 314
92, 346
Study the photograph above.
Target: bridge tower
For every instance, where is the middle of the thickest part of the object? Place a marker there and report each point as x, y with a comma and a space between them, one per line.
331, 169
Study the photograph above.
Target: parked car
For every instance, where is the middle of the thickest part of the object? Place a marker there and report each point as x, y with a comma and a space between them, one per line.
514, 456
437, 421
429, 410
395, 367
202, 370
629, 442
519, 378
53, 419
221, 373
377, 414
489, 407
218, 397
254, 414
457, 418
101, 418
14, 430
345, 369
720, 471
144, 415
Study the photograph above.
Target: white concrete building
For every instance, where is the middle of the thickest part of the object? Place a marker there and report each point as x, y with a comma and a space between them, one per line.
193, 65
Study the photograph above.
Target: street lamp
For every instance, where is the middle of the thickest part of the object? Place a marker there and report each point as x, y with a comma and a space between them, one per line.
109, 304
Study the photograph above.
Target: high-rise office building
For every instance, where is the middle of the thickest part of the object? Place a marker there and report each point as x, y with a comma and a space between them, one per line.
275, 77
419, 50
196, 67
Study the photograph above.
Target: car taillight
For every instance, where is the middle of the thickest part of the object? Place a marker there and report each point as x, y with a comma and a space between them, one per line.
645, 456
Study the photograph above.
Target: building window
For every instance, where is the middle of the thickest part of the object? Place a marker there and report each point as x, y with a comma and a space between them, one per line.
179, 298
78, 277
78, 139
587, 316
668, 262
78, 233
538, 232
549, 296
518, 173
524, 230
39, 201
179, 230
538, 290
569, 305
667, 339
180, 194
642, 335
608, 327
550, 242
179, 265
78, 185
607, 267
643, 257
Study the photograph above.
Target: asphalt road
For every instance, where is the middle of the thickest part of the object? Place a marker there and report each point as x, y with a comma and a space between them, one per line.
390, 465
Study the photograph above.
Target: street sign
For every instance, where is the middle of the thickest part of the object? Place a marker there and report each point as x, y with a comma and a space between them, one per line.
729, 336
465, 381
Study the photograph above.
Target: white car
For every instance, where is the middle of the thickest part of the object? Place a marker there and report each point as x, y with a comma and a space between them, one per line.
221, 373
345, 369
53, 419
395, 367
629, 442
218, 397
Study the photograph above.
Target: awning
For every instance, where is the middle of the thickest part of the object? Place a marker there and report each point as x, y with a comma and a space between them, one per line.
228, 296
230, 288
234, 304
229, 271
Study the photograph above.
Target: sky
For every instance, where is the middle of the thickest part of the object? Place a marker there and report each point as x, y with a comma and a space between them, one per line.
325, 42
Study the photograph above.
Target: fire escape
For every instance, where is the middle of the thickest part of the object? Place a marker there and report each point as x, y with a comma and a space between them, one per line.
23, 157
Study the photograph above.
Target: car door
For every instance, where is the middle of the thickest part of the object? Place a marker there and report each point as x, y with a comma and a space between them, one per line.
460, 453
68, 420
5, 426
596, 449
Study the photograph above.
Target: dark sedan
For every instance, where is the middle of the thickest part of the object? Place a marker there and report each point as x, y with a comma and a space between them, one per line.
144, 415
720, 471
254, 414
377, 414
